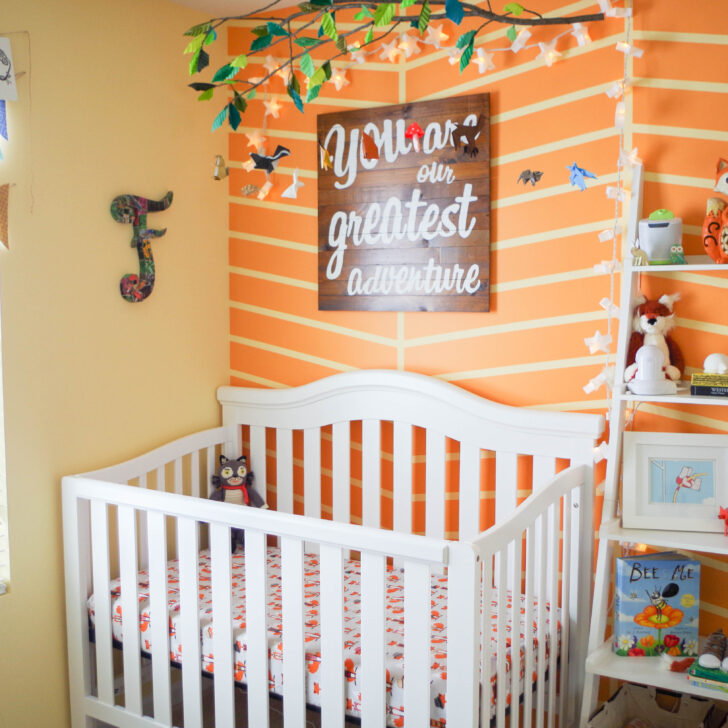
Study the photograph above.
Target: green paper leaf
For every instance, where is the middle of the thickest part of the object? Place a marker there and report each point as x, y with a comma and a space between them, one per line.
365, 13
259, 43
321, 3
240, 61
465, 39
454, 11
306, 42
466, 56
406, 3
296, 98
260, 30
198, 29
199, 61
307, 65
294, 83
233, 116
318, 77
383, 14
340, 43
511, 33
369, 36
195, 44
199, 86
251, 94
210, 37
276, 29
327, 69
240, 103
313, 92
513, 8
220, 118
424, 17
206, 95
224, 73
328, 25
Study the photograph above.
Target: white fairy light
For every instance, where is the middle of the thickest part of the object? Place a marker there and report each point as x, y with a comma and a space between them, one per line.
548, 52
608, 266
605, 6
271, 64
628, 49
483, 60
619, 13
620, 115
435, 36
264, 190
521, 39
605, 235
630, 158
272, 108
249, 166
390, 52
594, 383
284, 73
614, 193
611, 309
339, 79
598, 342
357, 55
581, 34
409, 45
255, 139
454, 54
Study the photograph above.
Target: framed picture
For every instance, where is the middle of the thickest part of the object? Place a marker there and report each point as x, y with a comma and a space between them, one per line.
674, 481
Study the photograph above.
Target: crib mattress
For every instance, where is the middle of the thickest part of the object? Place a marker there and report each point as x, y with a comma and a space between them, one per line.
394, 648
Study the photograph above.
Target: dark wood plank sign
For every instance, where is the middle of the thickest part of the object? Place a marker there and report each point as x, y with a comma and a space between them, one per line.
404, 207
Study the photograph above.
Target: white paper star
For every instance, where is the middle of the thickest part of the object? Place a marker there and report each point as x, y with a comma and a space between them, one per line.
285, 74
339, 79
292, 191
249, 166
521, 40
609, 307
580, 33
483, 60
454, 54
357, 55
598, 342
272, 108
435, 36
548, 52
608, 266
270, 64
389, 51
630, 158
408, 45
255, 139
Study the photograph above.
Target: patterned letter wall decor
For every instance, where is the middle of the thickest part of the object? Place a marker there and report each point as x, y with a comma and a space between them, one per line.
404, 207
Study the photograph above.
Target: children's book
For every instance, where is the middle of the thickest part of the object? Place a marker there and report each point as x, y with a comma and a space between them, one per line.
656, 606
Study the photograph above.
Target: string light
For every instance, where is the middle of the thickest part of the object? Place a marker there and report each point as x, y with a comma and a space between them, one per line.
339, 79
483, 60
521, 39
264, 190
598, 342
549, 53
408, 45
390, 52
435, 36
255, 139
454, 54
271, 64
272, 108
628, 49
581, 34
357, 55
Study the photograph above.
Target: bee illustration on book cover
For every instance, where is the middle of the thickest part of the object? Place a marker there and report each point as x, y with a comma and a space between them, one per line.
657, 602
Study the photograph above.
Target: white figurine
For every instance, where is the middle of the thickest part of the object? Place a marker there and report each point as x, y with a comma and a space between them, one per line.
650, 375
716, 364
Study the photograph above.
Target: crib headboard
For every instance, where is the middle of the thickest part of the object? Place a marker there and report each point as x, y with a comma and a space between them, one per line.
476, 443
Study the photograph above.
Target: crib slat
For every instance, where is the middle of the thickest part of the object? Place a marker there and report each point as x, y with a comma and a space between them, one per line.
189, 621
210, 469
332, 637
373, 683
294, 664
160, 478
102, 600
528, 631
371, 473
544, 468
502, 686
312, 472
486, 642
341, 457
222, 631
256, 658
515, 581
178, 476
553, 515
565, 604
402, 476
506, 484
469, 491
542, 541
129, 609
435, 484
195, 473
159, 620
284, 470
417, 644
258, 462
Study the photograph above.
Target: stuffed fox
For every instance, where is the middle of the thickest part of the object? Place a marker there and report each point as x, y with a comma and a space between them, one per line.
715, 224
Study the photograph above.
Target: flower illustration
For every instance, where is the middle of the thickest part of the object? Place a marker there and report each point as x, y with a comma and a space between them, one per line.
649, 641
636, 652
691, 647
674, 651
671, 640
625, 641
666, 617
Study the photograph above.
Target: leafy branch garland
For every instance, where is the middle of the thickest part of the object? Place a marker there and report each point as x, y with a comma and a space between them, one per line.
320, 15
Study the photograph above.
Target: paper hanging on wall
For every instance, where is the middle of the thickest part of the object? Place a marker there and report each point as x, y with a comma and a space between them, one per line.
291, 192
3, 120
4, 195
8, 90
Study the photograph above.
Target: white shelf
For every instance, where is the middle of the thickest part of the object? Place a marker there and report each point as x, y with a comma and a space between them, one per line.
712, 543
693, 263
644, 670
683, 397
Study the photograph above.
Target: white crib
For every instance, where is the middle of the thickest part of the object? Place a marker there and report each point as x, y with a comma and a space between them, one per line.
139, 514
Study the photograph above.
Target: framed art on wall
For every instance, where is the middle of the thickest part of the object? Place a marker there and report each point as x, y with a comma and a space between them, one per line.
674, 481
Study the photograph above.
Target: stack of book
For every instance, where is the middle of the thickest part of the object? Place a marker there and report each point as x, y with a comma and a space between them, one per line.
711, 385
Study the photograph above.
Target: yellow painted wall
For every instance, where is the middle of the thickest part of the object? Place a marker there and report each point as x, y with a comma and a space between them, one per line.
89, 378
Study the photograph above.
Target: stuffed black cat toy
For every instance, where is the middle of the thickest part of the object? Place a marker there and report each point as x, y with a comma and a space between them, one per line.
233, 484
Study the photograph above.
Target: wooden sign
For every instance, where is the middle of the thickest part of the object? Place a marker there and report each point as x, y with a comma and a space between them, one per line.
404, 207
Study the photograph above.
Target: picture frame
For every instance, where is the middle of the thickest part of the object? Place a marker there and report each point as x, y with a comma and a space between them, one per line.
674, 481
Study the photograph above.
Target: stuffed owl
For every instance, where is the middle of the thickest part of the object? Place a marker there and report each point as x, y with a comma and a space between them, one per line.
233, 484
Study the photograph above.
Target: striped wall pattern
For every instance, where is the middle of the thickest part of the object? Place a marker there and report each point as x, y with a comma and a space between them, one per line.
545, 296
